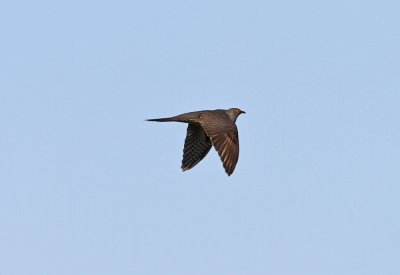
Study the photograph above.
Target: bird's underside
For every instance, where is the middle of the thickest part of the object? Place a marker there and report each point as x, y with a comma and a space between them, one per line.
206, 129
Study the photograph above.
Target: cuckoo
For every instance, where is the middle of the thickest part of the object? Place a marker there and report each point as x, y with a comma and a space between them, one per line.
205, 129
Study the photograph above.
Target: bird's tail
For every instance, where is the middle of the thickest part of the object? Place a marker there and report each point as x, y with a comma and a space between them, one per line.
166, 119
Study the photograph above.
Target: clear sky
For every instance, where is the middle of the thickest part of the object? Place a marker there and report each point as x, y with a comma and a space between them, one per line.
88, 187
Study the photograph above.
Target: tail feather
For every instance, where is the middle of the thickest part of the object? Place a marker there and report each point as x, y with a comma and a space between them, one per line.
167, 119
180, 118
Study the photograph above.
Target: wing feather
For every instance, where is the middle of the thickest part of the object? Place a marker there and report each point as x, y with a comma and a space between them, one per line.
197, 146
224, 136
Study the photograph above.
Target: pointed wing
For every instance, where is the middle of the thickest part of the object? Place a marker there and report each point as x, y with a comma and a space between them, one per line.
224, 136
197, 145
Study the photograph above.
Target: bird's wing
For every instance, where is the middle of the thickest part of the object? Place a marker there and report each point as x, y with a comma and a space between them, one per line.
224, 136
197, 145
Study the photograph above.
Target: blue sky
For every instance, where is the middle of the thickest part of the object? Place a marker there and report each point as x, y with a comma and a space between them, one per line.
89, 187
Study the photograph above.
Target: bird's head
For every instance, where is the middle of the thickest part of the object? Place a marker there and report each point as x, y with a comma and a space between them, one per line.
233, 113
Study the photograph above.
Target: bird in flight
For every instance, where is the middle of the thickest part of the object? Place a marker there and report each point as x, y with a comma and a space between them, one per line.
208, 128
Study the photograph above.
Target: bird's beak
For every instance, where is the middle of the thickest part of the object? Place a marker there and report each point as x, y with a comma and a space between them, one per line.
242, 112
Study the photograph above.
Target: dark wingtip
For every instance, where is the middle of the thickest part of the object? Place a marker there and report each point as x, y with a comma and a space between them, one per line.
228, 172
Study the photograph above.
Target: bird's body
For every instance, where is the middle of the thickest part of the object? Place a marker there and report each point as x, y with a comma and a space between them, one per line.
207, 128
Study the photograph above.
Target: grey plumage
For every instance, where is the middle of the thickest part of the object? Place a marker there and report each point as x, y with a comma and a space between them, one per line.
207, 128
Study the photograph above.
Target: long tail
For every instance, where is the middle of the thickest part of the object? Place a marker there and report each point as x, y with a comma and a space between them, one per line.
187, 118
167, 119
